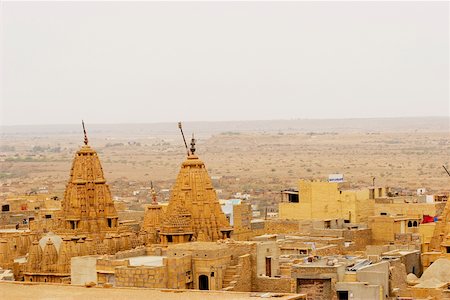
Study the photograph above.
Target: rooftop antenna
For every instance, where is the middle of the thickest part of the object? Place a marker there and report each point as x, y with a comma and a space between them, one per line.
193, 144
184, 139
84, 131
446, 170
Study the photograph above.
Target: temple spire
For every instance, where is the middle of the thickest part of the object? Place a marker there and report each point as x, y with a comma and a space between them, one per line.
85, 134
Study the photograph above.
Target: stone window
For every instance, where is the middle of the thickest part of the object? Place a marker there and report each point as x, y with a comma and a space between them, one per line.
73, 224
293, 198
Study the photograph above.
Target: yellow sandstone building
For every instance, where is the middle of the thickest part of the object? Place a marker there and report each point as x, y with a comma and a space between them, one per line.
330, 200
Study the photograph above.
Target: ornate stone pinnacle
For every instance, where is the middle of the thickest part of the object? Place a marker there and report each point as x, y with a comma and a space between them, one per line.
153, 193
85, 135
192, 145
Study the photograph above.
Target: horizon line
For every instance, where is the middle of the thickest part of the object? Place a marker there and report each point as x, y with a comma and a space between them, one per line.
228, 121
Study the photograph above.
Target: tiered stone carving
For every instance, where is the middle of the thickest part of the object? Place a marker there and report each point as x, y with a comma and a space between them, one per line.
88, 223
87, 206
152, 221
194, 211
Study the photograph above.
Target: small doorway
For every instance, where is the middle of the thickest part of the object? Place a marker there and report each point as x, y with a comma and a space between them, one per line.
342, 295
203, 282
268, 266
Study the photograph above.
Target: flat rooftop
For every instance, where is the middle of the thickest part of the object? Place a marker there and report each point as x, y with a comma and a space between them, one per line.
149, 261
8, 230
198, 246
9, 290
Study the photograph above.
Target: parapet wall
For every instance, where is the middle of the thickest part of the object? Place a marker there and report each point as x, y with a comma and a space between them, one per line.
274, 285
148, 277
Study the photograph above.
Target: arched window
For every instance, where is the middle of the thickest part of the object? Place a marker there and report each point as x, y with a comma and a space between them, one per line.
415, 224
409, 224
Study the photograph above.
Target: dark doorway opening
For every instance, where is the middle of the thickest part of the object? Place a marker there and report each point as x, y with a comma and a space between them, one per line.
203, 282
342, 295
268, 266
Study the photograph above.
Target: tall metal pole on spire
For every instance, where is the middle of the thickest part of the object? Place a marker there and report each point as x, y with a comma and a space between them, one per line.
184, 139
85, 135
446, 170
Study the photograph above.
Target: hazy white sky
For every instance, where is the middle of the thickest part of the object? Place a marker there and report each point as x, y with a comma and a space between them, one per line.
109, 62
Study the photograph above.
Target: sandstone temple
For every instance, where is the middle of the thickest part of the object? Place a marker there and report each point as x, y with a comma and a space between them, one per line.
86, 225
323, 239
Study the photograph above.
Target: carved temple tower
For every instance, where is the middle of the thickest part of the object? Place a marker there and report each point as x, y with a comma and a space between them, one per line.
152, 220
194, 211
87, 206
87, 224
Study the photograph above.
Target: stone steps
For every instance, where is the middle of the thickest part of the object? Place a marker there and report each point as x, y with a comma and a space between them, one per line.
229, 278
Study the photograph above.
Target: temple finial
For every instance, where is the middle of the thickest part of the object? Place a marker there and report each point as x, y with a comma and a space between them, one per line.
153, 193
182, 134
192, 145
85, 135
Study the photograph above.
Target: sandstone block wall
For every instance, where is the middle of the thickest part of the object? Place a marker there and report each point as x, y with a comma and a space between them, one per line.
148, 277
244, 271
274, 285
179, 272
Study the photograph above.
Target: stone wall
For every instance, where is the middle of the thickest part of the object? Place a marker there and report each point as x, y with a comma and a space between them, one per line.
273, 285
214, 269
327, 250
148, 277
244, 271
317, 281
397, 275
106, 269
179, 272
425, 293
376, 274
139, 251
410, 209
360, 238
282, 226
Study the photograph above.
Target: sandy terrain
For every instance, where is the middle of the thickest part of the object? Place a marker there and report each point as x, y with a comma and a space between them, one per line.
250, 159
